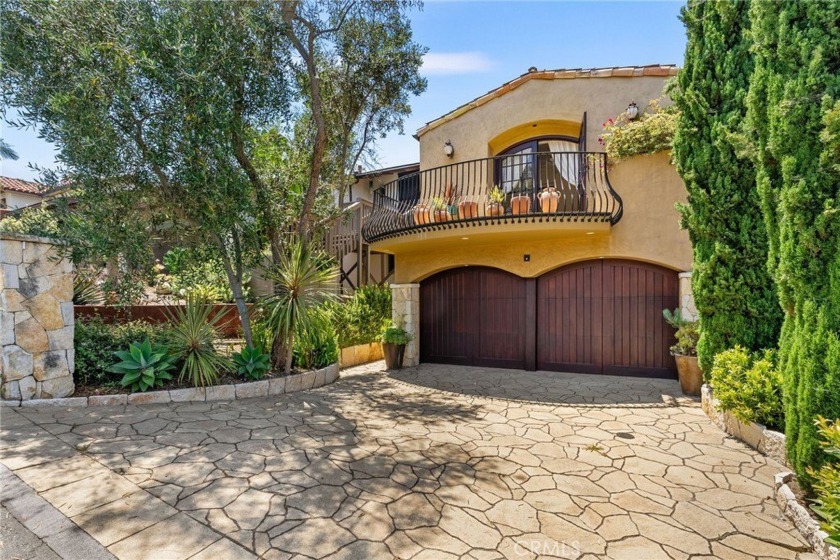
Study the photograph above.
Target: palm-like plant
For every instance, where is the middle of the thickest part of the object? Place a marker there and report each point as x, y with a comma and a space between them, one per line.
303, 280
194, 329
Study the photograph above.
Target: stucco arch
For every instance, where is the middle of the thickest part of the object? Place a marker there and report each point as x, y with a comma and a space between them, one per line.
533, 129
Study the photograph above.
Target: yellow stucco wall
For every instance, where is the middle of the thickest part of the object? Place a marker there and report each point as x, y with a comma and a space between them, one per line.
649, 231
537, 101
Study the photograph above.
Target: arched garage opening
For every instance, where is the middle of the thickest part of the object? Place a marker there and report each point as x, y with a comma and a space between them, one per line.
598, 316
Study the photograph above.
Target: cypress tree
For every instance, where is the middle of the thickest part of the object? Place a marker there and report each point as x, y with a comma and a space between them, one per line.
794, 121
732, 288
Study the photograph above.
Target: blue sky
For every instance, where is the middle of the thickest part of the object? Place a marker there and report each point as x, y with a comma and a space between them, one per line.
476, 46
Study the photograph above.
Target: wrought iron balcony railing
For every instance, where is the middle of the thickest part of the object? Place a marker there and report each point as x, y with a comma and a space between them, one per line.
517, 188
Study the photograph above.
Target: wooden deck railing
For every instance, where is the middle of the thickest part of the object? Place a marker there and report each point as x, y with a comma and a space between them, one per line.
518, 188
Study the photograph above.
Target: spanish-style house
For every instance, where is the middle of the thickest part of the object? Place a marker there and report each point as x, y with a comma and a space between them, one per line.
17, 193
516, 243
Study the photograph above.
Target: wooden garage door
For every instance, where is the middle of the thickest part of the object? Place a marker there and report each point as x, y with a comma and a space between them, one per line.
473, 316
605, 316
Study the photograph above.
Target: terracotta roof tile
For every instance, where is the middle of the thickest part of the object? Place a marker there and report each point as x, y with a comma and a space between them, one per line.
19, 185
559, 74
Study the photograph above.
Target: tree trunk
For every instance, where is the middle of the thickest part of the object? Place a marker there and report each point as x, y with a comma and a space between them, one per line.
235, 282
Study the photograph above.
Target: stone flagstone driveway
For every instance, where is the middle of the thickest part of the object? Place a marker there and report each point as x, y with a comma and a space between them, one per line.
434, 462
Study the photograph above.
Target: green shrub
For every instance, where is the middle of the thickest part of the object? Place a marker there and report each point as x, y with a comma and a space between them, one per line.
827, 480
652, 131
316, 346
96, 342
194, 330
199, 272
749, 386
392, 334
252, 363
361, 318
143, 366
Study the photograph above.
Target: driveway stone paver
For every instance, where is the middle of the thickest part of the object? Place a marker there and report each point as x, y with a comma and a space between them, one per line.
429, 462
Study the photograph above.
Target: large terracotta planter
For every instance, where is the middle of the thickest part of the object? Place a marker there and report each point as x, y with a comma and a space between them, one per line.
421, 214
496, 209
691, 377
520, 204
393, 355
549, 200
467, 210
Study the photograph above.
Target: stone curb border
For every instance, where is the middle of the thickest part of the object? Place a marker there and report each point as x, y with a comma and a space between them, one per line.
799, 515
55, 530
266, 387
768, 442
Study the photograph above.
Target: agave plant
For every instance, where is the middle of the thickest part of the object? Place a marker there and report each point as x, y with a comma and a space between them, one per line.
303, 280
251, 362
194, 329
86, 291
143, 366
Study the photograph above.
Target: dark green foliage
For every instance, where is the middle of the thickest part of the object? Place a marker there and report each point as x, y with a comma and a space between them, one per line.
316, 345
393, 334
733, 291
749, 385
361, 318
96, 342
793, 121
143, 366
252, 363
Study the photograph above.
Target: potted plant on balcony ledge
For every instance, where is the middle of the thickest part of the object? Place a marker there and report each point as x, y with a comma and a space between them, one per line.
520, 203
549, 200
421, 213
685, 351
441, 211
496, 207
394, 339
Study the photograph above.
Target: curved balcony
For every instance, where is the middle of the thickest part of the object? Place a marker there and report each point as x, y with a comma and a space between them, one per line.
517, 188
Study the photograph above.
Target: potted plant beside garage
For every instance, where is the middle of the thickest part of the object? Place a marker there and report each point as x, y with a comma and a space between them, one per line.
685, 351
394, 339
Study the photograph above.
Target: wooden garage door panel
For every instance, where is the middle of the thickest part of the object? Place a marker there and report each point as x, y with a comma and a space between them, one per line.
636, 337
501, 340
569, 319
605, 316
473, 316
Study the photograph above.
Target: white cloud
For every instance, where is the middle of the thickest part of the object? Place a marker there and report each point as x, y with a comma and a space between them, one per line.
456, 63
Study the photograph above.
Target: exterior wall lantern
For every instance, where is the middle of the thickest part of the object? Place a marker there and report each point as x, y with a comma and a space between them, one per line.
448, 149
632, 111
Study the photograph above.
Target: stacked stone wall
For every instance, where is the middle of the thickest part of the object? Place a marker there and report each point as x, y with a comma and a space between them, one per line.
36, 319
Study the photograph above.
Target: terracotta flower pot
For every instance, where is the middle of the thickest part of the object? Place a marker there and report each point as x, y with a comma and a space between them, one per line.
393, 355
691, 377
520, 204
549, 200
441, 215
467, 210
421, 214
496, 209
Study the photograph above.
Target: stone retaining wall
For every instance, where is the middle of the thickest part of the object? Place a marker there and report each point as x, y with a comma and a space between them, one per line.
360, 354
263, 388
36, 319
769, 442
808, 527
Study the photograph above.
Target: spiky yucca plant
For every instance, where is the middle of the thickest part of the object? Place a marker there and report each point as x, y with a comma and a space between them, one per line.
303, 280
194, 329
